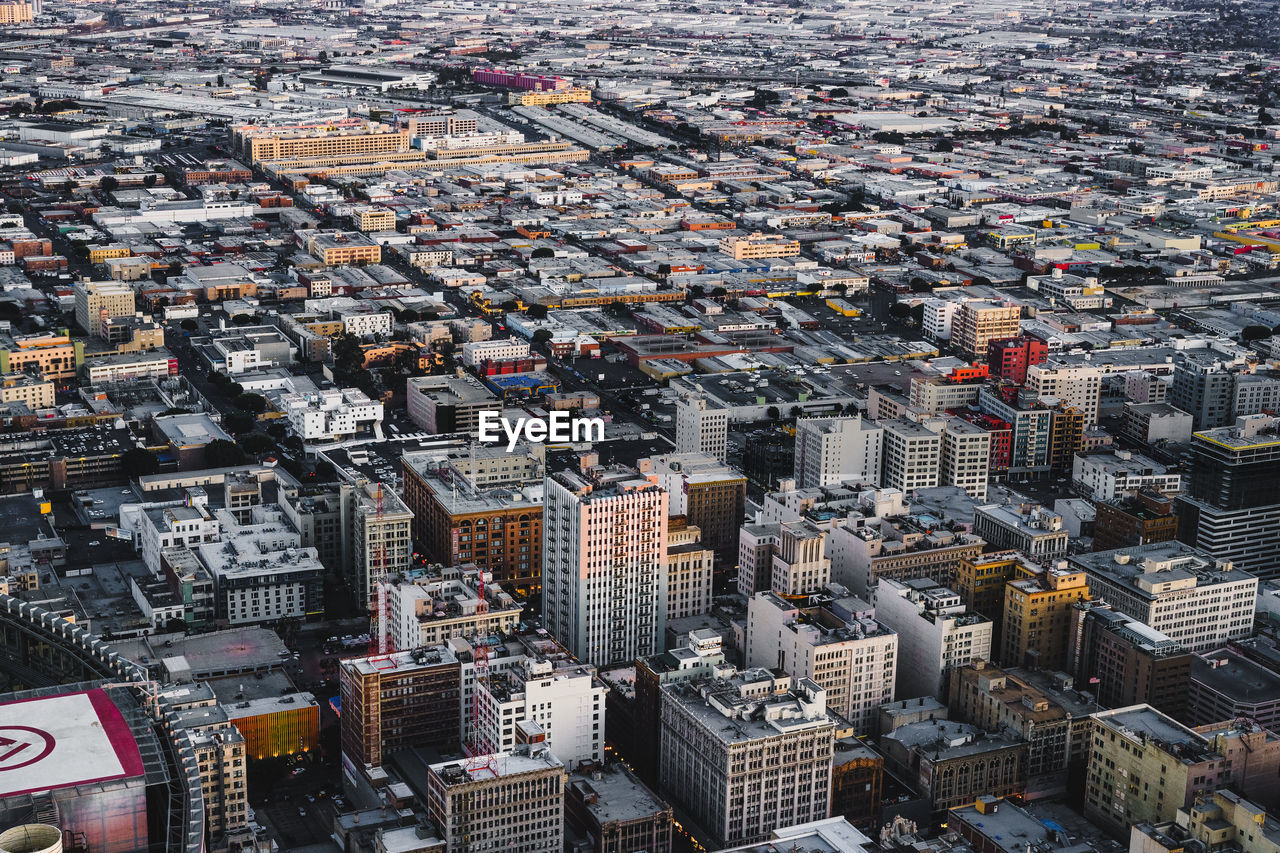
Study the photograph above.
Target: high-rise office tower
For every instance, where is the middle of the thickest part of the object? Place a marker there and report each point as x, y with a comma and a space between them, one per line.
603, 568
1231, 508
830, 451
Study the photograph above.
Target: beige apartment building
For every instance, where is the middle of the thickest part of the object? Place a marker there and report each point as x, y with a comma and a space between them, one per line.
758, 245
976, 324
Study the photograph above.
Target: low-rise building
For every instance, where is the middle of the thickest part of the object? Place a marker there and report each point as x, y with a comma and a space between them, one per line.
427, 611
609, 810
1106, 476
331, 415
1032, 529
1144, 767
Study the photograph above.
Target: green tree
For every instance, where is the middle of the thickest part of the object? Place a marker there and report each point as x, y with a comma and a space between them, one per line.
109, 184
537, 312
542, 252
1254, 333
256, 444
139, 462
150, 180
541, 336
244, 319
773, 413
238, 423
253, 403
221, 453
189, 325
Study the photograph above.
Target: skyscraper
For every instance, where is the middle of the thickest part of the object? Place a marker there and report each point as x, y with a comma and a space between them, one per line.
1231, 509
603, 568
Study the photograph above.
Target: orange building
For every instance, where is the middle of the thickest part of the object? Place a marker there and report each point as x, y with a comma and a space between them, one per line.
53, 354
277, 725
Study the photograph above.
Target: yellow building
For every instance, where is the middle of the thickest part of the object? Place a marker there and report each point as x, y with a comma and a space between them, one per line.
307, 141
101, 300
1037, 616
98, 254
337, 249
52, 354
16, 13
758, 245
558, 96
980, 582
37, 393
369, 219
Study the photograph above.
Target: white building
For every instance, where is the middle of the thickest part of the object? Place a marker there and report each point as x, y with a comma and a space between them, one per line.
564, 699
912, 456
839, 646
332, 414
747, 753
261, 571
476, 353
603, 570
799, 563
966, 457
361, 323
1176, 589
1030, 528
426, 611
155, 528
935, 634
1077, 386
700, 428
1105, 476
830, 451
938, 314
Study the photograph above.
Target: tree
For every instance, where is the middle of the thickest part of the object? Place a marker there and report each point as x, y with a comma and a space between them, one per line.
253, 403
256, 443
719, 292
839, 92
944, 146
221, 453
772, 413
238, 423
796, 411
1254, 333
139, 462
189, 325
900, 310
537, 312
510, 305
175, 268
542, 336
109, 184
407, 315
150, 180
542, 252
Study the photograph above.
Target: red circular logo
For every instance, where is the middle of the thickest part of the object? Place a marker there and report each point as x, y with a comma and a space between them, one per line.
22, 746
